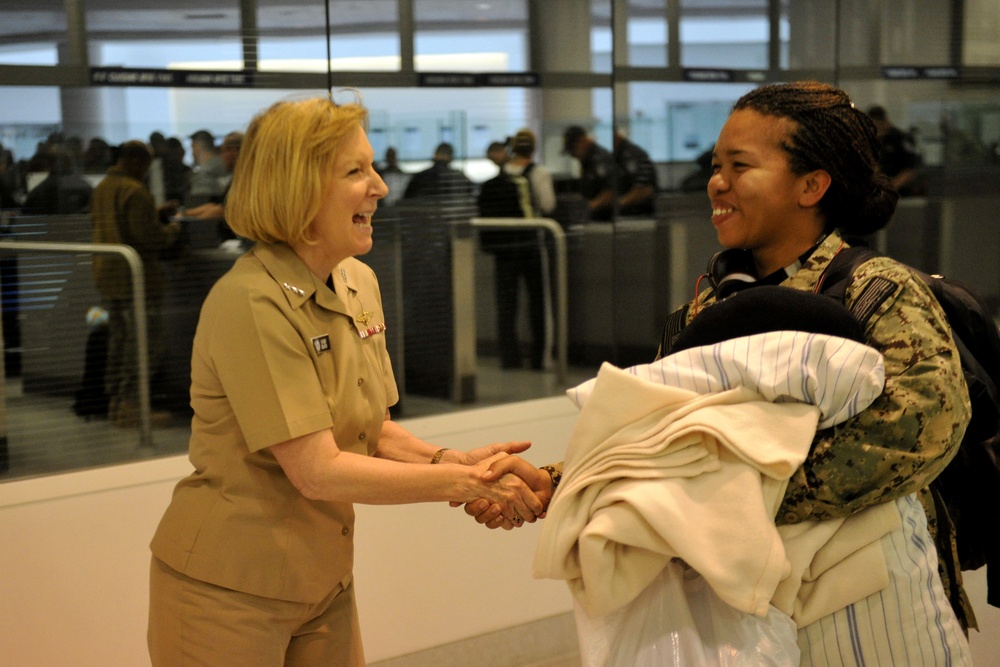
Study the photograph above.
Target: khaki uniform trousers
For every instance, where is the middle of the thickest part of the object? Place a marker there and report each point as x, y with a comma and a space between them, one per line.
193, 623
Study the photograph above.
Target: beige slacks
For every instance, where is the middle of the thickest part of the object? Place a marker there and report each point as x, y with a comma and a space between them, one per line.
193, 623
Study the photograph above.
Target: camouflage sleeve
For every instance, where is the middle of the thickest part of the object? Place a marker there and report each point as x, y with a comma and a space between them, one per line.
911, 432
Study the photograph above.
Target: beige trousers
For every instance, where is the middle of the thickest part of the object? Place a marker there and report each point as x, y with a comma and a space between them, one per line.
195, 623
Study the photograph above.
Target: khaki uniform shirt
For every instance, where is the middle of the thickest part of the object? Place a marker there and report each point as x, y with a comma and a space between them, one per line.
277, 355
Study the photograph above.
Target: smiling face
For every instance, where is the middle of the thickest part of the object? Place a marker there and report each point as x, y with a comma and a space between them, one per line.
343, 226
758, 203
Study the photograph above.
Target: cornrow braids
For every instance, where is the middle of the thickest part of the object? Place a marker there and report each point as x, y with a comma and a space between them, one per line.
830, 133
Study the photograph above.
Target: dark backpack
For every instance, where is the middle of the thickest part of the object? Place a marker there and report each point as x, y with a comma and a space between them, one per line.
970, 484
503, 196
91, 399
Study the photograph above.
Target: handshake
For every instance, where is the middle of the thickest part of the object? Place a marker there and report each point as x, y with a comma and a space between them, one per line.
511, 491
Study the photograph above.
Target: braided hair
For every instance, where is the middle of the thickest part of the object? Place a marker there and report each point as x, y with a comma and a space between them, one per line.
830, 133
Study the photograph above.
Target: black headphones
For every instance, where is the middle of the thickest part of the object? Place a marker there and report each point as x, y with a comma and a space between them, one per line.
730, 271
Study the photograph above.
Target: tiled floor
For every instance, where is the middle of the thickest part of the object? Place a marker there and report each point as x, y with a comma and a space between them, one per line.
549, 642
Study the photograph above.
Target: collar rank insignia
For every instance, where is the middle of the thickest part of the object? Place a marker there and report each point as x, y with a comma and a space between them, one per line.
321, 343
298, 291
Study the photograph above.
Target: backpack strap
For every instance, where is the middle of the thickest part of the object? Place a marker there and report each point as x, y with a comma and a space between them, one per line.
839, 274
673, 327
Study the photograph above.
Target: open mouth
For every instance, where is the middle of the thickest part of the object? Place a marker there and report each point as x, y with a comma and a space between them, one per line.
363, 219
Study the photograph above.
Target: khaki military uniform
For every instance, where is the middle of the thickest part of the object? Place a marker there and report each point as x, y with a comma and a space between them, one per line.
911, 431
276, 355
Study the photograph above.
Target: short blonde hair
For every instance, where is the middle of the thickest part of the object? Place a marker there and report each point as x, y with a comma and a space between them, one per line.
285, 162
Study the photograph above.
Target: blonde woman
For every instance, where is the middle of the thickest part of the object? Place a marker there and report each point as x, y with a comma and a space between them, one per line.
290, 386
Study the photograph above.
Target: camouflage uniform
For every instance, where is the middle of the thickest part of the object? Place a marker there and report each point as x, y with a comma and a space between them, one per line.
910, 433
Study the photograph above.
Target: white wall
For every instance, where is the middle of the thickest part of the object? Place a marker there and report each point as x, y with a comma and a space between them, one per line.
74, 558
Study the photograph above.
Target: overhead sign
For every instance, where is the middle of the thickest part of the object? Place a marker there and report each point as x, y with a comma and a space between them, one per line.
922, 72
171, 78
708, 75
479, 80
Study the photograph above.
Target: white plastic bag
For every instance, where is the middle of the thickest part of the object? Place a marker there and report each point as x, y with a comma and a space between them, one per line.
678, 620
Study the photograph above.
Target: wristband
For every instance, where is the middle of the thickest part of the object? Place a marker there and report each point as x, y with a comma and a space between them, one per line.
437, 455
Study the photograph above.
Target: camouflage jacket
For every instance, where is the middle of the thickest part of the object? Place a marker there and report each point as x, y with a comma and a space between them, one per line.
913, 429
911, 432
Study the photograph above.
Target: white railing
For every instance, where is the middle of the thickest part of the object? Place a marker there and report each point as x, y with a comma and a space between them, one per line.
138, 308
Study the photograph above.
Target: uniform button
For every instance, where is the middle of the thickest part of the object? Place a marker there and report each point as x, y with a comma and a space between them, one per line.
791, 517
345, 531
361, 381
362, 436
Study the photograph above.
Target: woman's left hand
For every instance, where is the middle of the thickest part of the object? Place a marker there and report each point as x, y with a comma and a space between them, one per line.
474, 456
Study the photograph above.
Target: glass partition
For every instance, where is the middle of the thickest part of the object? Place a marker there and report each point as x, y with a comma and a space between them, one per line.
31, 34
661, 74
166, 34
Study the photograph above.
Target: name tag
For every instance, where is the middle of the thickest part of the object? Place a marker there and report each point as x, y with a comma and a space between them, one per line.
321, 343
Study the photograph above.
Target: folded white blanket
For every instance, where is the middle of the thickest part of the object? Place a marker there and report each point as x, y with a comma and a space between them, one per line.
645, 479
834, 563
838, 376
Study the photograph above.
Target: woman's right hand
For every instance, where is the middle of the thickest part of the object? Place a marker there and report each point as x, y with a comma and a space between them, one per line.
514, 497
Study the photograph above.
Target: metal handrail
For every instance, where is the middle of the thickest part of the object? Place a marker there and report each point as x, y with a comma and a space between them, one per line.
562, 309
129, 254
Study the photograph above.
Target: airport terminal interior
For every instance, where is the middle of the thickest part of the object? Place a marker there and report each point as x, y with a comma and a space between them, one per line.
443, 80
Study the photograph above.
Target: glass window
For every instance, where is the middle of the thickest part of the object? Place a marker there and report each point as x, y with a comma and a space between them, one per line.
859, 32
363, 36
31, 35
186, 36
461, 36
676, 122
601, 39
953, 127
981, 43
917, 32
728, 34
24, 125
647, 33
29, 54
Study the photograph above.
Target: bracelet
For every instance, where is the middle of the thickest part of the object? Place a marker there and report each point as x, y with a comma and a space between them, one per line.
556, 475
437, 455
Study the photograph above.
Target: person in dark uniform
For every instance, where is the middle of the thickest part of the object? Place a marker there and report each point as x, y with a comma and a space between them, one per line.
63, 192
897, 155
619, 183
439, 180
597, 171
636, 177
